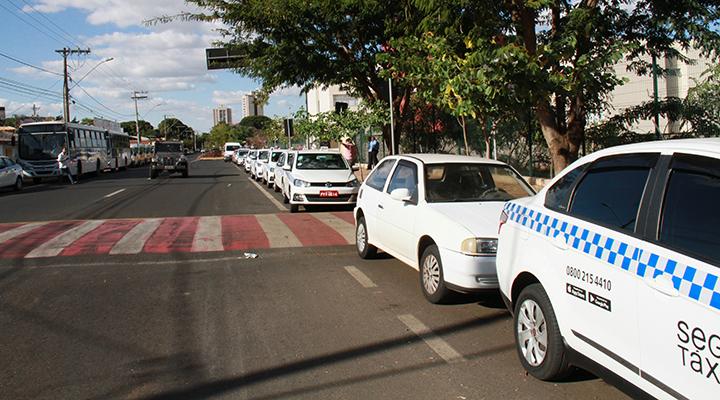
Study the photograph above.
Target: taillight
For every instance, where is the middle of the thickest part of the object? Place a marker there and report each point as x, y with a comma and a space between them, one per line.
503, 220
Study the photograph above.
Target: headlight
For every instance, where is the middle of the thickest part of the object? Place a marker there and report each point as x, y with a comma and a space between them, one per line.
479, 246
272, 169
154, 159
353, 183
301, 183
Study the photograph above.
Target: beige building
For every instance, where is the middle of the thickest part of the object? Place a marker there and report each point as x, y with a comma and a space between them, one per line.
250, 106
222, 114
323, 99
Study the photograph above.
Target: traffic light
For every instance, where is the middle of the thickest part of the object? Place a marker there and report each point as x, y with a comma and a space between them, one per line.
288, 123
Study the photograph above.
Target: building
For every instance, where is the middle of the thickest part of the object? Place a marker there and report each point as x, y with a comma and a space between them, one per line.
222, 114
323, 99
8, 138
250, 106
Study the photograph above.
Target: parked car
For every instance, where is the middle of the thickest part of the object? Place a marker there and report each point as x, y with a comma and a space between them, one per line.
317, 177
228, 150
438, 214
268, 176
11, 173
286, 158
240, 155
613, 266
260, 164
250, 160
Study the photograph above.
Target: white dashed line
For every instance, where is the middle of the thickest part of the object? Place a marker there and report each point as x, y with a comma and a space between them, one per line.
437, 344
113, 193
360, 277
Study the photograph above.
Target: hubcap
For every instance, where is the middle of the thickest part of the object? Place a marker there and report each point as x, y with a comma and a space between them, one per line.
361, 237
532, 332
431, 274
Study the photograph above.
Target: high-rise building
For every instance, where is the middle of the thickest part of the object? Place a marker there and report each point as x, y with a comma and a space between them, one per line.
222, 114
250, 106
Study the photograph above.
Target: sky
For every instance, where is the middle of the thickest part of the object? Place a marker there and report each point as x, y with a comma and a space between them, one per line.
166, 60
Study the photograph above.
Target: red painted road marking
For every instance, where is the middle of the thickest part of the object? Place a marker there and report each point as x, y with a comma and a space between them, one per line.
7, 227
102, 239
242, 232
347, 216
173, 235
310, 231
21, 245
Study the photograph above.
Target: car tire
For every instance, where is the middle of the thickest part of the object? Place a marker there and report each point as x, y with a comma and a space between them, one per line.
364, 248
294, 208
276, 188
18, 184
97, 168
432, 278
286, 199
185, 173
537, 335
153, 173
79, 170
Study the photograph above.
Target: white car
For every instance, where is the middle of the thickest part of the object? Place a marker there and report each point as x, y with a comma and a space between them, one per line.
250, 160
319, 177
240, 155
11, 173
268, 176
228, 150
286, 158
614, 266
260, 164
438, 214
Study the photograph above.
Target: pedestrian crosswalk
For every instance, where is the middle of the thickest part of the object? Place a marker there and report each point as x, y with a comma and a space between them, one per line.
175, 234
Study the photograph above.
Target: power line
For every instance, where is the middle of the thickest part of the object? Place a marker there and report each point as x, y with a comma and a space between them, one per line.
30, 23
34, 98
28, 64
101, 104
59, 28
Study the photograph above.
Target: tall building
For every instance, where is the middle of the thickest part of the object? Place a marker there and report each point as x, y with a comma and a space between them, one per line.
250, 106
323, 99
222, 114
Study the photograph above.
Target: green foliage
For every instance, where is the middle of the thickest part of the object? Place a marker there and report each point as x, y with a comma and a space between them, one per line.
174, 129
332, 126
223, 133
256, 121
146, 128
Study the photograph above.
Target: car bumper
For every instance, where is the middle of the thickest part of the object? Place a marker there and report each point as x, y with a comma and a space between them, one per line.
311, 195
469, 273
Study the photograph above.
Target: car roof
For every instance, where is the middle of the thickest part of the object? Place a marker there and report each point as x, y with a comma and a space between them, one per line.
694, 145
318, 151
428, 158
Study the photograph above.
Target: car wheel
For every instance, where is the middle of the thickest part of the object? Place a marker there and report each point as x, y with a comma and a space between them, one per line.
18, 184
97, 168
276, 188
185, 173
79, 170
286, 199
364, 248
153, 173
537, 335
432, 280
294, 208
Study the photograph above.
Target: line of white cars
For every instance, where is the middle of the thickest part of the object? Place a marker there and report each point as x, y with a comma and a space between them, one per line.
613, 267
305, 178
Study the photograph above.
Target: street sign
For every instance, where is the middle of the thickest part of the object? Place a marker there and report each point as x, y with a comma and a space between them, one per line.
288, 124
222, 58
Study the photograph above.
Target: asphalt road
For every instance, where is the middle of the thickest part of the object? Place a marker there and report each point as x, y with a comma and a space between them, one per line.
304, 322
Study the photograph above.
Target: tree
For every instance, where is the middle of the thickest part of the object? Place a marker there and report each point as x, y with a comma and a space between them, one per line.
87, 121
173, 128
256, 121
333, 126
146, 128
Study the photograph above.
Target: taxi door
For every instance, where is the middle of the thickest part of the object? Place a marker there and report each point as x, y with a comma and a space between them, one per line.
680, 296
594, 252
398, 216
371, 199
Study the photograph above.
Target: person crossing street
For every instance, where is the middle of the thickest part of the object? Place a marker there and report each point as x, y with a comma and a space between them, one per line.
63, 166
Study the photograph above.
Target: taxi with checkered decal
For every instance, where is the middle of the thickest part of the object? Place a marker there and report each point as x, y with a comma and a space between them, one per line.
614, 267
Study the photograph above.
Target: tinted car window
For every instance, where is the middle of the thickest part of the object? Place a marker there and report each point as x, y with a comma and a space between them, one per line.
469, 182
690, 221
2, 163
377, 178
404, 177
558, 196
610, 197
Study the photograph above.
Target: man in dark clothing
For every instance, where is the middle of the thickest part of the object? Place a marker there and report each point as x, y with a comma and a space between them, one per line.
373, 149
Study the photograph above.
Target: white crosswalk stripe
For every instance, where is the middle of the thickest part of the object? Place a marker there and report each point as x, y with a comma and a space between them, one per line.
56, 245
20, 230
134, 241
344, 228
277, 233
208, 236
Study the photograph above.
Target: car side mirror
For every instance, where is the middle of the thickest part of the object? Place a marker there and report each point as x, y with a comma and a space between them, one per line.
401, 194
355, 168
287, 167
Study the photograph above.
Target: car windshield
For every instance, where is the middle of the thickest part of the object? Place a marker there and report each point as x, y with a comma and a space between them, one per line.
263, 155
43, 146
253, 155
231, 147
242, 152
455, 182
275, 155
320, 161
168, 147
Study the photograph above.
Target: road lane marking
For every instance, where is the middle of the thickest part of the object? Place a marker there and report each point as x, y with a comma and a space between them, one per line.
134, 241
56, 245
360, 277
125, 263
20, 230
208, 236
437, 344
277, 232
113, 193
341, 226
270, 197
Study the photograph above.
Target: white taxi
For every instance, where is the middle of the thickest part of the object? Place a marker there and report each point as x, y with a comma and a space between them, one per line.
614, 267
319, 177
438, 214
285, 159
11, 173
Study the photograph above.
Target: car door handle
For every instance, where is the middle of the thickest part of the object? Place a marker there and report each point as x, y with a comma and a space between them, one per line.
380, 206
664, 285
560, 242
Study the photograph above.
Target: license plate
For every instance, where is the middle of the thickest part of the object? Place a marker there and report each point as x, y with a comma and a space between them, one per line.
168, 167
328, 193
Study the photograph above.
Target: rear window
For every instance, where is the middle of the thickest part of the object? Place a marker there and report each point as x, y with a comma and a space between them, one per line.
469, 182
232, 147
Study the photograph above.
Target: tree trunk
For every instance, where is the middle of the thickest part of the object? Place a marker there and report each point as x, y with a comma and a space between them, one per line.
461, 120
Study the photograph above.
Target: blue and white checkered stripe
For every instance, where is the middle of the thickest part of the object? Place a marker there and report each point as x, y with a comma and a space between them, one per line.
688, 280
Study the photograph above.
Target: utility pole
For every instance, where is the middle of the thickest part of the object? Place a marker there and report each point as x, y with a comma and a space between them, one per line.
656, 110
35, 108
137, 96
66, 89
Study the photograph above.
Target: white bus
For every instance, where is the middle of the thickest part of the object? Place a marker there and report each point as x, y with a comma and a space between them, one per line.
90, 148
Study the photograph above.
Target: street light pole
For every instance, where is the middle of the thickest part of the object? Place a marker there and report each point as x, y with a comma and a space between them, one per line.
77, 82
136, 96
66, 89
392, 124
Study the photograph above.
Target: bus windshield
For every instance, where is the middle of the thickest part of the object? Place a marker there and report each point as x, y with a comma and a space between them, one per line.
40, 146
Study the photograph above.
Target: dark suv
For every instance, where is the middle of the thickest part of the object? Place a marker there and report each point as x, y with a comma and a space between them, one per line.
168, 156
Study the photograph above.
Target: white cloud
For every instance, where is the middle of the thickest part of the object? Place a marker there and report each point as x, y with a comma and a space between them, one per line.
228, 97
287, 91
44, 109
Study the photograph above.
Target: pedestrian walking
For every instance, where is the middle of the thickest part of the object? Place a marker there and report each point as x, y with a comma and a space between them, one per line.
62, 160
349, 151
373, 149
